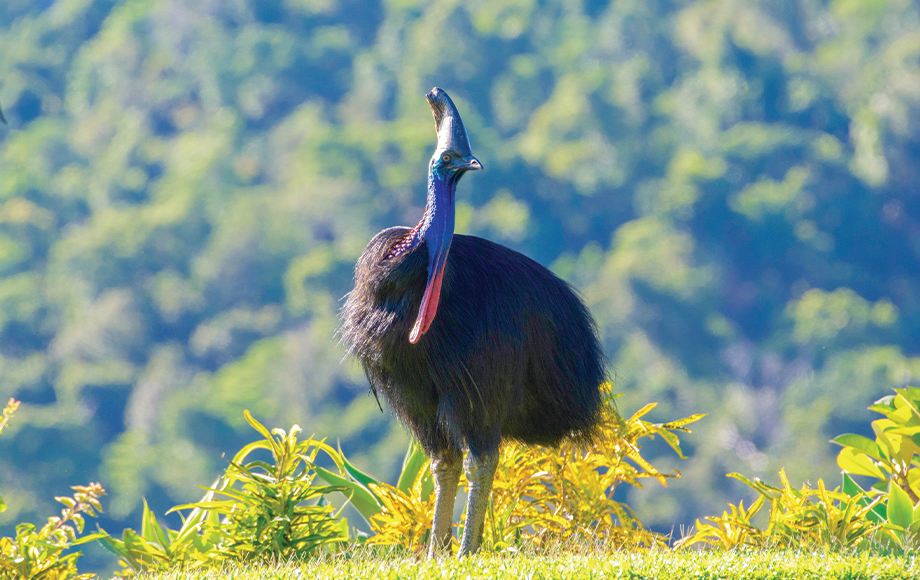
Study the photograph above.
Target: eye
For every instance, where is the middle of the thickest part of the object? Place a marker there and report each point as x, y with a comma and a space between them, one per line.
445, 158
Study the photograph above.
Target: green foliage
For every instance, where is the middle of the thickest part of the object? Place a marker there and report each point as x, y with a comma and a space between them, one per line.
8, 411
541, 496
274, 507
157, 547
256, 509
39, 554
903, 516
730, 185
821, 316
893, 458
799, 518
894, 455
847, 517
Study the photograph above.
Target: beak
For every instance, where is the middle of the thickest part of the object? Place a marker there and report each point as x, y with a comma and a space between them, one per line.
471, 164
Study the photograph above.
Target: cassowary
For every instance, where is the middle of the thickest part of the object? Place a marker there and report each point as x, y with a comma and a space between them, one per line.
470, 342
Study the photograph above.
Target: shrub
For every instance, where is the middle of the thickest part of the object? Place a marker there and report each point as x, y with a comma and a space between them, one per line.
39, 554
539, 494
798, 518
257, 508
893, 459
848, 516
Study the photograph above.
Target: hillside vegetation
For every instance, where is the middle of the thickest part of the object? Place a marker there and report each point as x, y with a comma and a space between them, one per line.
185, 187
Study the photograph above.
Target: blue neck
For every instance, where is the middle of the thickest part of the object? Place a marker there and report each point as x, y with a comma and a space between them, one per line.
437, 229
437, 225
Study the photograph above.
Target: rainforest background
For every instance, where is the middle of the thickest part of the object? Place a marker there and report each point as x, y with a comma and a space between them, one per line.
732, 185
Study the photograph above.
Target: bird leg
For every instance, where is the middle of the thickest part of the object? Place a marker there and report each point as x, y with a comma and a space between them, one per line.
479, 474
445, 469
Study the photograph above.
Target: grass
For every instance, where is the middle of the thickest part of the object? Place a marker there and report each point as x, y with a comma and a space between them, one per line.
659, 565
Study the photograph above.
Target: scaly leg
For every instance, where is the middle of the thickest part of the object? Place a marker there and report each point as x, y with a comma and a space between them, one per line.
479, 473
445, 469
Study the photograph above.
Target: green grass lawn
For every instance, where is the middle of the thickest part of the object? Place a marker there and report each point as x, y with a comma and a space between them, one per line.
663, 565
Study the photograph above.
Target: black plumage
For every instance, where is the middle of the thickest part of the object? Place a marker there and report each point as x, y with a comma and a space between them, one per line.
470, 346
512, 353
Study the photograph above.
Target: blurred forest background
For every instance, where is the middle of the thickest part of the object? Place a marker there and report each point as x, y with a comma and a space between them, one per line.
732, 185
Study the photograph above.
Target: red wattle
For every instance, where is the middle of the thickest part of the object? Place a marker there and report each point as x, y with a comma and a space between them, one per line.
429, 306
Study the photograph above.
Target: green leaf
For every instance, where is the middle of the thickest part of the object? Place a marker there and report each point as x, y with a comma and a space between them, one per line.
113, 545
909, 397
672, 440
219, 505
413, 462
915, 525
150, 528
882, 409
67, 501
643, 411
907, 448
850, 487
878, 512
360, 476
89, 538
680, 423
859, 463
759, 486
900, 510
2, 505
197, 516
249, 448
860, 443
256, 425
886, 401
903, 414
135, 550
364, 501
913, 480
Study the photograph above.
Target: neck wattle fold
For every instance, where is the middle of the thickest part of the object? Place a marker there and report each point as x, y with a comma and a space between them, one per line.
437, 229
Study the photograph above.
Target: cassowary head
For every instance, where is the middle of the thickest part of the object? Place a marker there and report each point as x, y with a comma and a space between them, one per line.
453, 156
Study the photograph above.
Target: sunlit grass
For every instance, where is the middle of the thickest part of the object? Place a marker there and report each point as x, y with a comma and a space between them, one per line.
664, 565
